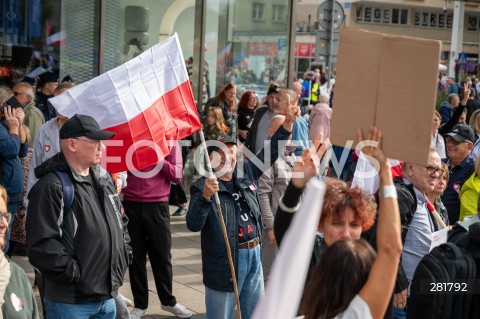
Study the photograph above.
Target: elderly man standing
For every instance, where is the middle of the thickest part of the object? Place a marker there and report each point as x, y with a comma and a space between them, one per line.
418, 224
461, 165
81, 251
33, 116
237, 190
261, 121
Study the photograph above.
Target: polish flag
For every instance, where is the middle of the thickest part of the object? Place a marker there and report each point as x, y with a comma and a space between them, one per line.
58, 38
147, 102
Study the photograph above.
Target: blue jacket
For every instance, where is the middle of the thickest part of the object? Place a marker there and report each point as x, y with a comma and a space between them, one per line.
203, 216
10, 167
445, 111
300, 135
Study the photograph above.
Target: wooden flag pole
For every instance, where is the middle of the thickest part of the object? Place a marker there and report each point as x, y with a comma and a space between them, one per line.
224, 229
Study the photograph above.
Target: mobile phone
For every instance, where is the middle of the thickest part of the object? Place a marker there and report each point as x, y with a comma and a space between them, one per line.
13, 102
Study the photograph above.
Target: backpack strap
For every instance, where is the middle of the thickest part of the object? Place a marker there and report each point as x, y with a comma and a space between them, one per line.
67, 225
67, 189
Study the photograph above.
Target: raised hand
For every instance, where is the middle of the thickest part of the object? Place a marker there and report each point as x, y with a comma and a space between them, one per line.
373, 146
20, 115
11, 121
308, 165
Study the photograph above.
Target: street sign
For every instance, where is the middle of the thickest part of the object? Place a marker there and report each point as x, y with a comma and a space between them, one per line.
462, 58
323, 42
282, 44
324, 14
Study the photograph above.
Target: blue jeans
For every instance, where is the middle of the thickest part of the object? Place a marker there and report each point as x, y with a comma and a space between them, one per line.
221, 305
92, 310
399, 313
12, 208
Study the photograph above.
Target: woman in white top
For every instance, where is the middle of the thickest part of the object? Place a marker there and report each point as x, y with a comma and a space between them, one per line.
350, 281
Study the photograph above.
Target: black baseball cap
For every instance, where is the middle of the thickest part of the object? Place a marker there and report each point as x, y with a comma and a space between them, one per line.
462, 133
47, 77
83, 125
223, 138
273, 89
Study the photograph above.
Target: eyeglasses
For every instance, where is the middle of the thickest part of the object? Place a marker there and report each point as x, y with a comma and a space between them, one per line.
7, 216
18, 93
453, 141
433, 170
97, 143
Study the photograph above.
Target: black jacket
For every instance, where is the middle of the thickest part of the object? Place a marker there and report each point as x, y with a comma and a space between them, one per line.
95, 269
252, 135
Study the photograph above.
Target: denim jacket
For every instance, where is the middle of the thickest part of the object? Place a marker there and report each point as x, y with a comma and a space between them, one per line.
203, 216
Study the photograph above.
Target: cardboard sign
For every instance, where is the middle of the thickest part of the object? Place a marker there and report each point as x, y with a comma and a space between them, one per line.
388, 81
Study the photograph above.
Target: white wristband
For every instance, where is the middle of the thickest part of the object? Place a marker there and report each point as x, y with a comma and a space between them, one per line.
388, 191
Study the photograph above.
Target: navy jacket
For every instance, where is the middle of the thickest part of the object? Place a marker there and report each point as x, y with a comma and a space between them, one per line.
11, 170
203, 216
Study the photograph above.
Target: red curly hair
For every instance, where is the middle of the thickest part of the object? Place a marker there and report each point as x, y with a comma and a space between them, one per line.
339, 196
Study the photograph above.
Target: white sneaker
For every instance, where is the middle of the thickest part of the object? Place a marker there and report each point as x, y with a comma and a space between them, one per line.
137, 313
178, 310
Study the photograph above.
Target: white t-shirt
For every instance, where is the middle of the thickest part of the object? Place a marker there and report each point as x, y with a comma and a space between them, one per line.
357, 309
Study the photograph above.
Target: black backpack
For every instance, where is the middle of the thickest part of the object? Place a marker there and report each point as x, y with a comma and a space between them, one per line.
443, 283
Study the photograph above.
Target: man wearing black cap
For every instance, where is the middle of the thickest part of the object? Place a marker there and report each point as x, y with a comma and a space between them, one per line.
461, 165
81, 251
236, 186
48, 81
261, 121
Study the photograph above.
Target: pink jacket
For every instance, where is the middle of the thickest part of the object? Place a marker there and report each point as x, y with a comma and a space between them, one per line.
157, 187
320, 118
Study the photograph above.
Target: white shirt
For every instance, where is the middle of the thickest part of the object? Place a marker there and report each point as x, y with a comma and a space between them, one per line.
357, 309
439, 143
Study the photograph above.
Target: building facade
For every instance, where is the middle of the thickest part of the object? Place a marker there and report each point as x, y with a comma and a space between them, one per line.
245, 41
429, 19
250, 42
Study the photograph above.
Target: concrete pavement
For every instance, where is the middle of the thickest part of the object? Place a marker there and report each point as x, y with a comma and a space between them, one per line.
187, 273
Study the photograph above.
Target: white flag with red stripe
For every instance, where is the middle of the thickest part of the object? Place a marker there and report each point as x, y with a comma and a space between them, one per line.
147, 102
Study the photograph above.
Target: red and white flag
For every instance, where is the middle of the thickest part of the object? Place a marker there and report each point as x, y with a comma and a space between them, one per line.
147, 102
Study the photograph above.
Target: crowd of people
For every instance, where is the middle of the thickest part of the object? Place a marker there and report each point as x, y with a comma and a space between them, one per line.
64, 209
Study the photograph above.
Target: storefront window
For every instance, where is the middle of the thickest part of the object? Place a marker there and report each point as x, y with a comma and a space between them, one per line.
246, 42
30, 38
132, 26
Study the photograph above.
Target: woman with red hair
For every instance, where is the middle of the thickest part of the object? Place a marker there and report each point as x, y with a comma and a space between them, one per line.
246, 110
346, 213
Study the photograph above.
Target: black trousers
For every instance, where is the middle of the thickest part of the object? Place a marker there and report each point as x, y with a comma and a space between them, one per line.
177, 193
149, 228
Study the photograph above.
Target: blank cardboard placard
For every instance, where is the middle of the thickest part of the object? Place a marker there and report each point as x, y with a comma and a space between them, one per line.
391, 82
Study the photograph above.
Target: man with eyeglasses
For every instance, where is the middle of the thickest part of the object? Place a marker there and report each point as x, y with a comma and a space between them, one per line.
24, 94
459, 143
417, 222
81, 252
